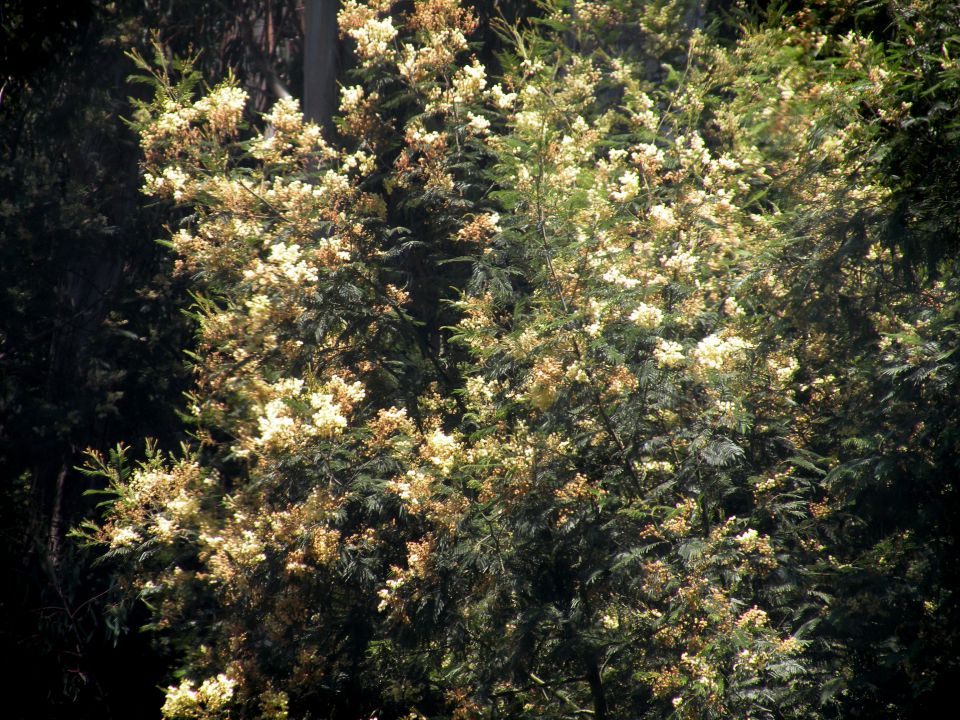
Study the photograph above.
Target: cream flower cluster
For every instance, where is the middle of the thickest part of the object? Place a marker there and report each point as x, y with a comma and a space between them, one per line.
170, 124
285, 262
646, 316
629, 187
374, 37
648, 157
716, 353
124, 536
641, 110
668, 353
327, 420
442, 450
285, 116
502, 100
751, 541
754, 617
478, 123
213, 695
413, 488
662, 217
682, 262
280, 427
351, 98
223, 108
388, 592
372, 34
287, 133
173, 182
277, 426
468, 82
290, 264
615, 276
783, 368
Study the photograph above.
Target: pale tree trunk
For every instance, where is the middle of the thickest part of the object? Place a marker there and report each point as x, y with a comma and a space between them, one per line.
320, 60
56, 521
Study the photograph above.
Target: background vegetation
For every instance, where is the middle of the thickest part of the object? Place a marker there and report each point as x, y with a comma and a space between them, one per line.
570, 359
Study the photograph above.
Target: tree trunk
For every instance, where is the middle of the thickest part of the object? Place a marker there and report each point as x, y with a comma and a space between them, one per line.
596, 690
320, 60
56, 521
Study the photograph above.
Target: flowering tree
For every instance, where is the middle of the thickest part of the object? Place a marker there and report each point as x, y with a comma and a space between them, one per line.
496, 410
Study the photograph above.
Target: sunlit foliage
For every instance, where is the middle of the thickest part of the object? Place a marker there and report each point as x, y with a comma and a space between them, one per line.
540, 393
